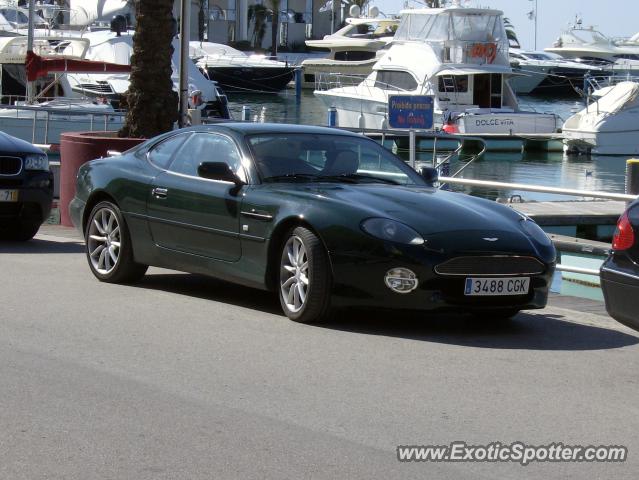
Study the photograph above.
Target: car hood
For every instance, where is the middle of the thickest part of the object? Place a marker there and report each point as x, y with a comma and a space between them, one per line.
427, 210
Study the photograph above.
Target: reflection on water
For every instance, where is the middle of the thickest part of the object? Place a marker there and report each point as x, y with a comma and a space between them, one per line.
553, 169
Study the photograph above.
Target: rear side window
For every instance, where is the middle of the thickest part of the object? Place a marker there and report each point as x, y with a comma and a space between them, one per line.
161, 154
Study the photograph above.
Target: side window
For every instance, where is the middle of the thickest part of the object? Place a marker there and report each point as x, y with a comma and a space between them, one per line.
160, 155
205, 147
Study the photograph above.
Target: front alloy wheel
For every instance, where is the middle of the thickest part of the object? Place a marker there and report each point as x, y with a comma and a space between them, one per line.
305, 277
108, 246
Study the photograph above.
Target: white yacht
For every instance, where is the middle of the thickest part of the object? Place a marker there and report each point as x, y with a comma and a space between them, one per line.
548, 73
463, 64
109, 46
353, 49
607, 126
587, 45
50, 109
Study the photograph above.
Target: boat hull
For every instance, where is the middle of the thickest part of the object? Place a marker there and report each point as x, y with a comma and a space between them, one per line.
601, 143
242, 79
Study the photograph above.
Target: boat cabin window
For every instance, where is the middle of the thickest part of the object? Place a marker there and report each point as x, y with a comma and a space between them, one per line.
395, 80
453, 83
628, 56
354, 55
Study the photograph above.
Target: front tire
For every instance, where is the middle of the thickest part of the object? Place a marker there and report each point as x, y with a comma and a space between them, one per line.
108, 246
305, 277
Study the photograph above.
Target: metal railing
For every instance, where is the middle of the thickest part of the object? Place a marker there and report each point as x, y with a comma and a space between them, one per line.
539, 188
42, 116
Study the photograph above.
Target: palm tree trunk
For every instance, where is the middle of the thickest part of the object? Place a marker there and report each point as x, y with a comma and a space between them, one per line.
152, 103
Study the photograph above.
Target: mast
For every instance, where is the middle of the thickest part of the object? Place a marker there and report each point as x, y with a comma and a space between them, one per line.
185, 21
30, 85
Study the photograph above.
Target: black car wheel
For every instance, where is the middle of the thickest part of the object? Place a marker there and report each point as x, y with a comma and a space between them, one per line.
305, 277
108, 246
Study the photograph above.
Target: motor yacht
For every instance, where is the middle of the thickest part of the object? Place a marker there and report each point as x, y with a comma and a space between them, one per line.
546, 73
609, 125
235, 71
463, 64
353, 49
587, 45
114, 47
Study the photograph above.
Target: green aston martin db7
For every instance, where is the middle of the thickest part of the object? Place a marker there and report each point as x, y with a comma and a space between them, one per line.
323, 217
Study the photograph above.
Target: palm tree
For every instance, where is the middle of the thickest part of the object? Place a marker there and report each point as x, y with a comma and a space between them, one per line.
152, 103
257, 14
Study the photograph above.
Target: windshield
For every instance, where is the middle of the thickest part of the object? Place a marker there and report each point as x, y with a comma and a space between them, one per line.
294, 157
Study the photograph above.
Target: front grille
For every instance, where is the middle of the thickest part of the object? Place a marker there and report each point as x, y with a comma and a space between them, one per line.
491, 265
10, 166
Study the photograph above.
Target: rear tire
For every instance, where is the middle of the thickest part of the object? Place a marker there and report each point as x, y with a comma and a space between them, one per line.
108, 246
304, 277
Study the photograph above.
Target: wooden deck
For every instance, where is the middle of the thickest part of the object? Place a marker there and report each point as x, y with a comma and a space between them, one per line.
572, 212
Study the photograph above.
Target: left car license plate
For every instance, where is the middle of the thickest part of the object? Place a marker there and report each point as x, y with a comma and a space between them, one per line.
8, 195
497, 286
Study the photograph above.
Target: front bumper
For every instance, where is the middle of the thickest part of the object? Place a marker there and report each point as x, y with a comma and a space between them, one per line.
620, 286
35, 199
359, 281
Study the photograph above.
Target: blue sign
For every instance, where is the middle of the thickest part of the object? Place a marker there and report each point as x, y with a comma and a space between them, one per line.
410, 111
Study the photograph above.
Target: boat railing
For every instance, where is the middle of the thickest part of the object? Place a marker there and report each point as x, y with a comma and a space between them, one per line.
329, 81
64, 110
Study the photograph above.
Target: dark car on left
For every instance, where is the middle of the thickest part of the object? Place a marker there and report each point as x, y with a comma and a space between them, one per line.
26, 188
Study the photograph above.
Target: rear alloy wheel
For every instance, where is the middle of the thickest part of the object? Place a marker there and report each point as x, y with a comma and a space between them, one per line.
108, 246
305, 277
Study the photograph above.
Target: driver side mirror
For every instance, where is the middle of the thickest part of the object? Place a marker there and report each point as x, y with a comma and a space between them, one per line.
430, 175
219, 171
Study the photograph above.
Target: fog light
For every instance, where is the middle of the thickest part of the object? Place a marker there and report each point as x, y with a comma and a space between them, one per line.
401, 280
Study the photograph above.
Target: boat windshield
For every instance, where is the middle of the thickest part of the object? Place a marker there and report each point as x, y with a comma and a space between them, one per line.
452, 25
589, 36
305, 157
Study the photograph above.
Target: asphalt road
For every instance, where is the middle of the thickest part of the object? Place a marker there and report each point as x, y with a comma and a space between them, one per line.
186, 377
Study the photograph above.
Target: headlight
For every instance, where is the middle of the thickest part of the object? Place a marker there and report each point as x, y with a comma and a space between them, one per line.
535, 231
388, 229
36, 162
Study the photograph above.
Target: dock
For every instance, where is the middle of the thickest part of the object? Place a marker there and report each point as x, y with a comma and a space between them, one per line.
585, 219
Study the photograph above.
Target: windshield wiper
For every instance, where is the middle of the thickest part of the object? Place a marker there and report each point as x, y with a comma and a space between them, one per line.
292, 176
358, 176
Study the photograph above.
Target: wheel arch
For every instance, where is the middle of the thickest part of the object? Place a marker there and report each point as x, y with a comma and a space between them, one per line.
276, 241
92, 201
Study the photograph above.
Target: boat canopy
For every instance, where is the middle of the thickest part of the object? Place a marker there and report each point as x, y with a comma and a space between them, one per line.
616, 98
38, 66
452, 24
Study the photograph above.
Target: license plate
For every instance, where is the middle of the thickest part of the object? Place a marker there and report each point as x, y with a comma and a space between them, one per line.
497, 286
8, 195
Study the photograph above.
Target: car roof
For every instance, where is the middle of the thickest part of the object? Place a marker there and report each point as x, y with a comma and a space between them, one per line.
251, 128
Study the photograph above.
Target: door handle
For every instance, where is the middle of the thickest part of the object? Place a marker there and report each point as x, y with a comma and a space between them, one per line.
159, 192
